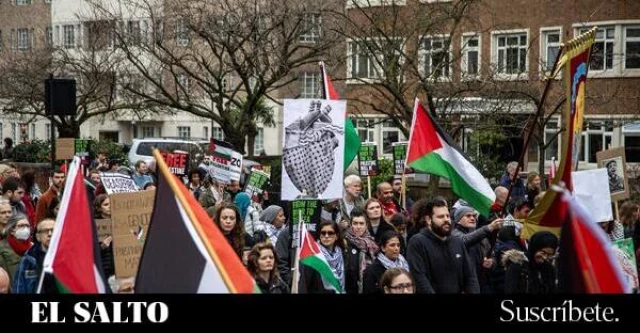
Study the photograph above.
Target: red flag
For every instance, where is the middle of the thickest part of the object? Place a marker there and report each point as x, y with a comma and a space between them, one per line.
587, 261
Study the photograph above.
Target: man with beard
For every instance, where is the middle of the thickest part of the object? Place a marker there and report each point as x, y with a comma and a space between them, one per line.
54, 191
440, 263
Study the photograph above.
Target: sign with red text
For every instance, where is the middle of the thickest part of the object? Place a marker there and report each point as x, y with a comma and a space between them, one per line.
178, 162
226, 163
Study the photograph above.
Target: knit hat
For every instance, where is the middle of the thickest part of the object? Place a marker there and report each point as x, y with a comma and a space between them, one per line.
541, 240
270, 213
462, 211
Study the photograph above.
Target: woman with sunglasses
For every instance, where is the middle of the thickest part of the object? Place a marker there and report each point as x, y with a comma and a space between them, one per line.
532, 272
389, 257
331, 246
397, 281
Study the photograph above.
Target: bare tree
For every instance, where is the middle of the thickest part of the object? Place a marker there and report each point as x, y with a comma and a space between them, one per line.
221, 60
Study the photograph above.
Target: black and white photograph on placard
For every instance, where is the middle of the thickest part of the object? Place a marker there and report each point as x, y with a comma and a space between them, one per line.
614, 161
313, 149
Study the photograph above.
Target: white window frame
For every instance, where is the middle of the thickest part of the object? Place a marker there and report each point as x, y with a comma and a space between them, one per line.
49, 36
619, 47
625, 39
544, 47
424, 55
389, 129
585, 135
365, 125
629, 132
182, 130
68, 36
549, 132
182, 33
205, 132
24, 39
183, 85
32, 135
148, 131
258, 143
372, 67
495, 35
464, 59
311, 28
309, 85
23, 2
217, 133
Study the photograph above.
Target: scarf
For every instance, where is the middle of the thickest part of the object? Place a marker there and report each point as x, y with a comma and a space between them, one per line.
336, 262
388, 263
242, 201
368, 249
18, 246
388, 208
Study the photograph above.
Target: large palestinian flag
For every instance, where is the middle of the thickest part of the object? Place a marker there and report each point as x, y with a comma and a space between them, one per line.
185, 252
431, 150
73, 257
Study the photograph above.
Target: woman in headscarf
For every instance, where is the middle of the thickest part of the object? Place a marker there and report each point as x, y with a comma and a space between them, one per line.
532, 272
361, 250
330, 245
261, 263
272, 223
249, 214
389, 257
16, 242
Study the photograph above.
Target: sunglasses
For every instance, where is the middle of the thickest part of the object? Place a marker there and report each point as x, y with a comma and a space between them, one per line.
327, 233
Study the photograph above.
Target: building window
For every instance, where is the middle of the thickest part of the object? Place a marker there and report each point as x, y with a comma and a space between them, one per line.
596, 136
23, 2
511, 53
258, 143
47, 1
14, 132
602, 49
390, 135
434, 53
184, 132
632, 47
365, 128
366, 64
133, 33
182, 32
183, 86
550, 48
310, 27
69, 37
470, 56
49, 36
148, 131
551, 134
24, 40
310, 83
33, 132
631, 141
218, 133
205, 132
47, 131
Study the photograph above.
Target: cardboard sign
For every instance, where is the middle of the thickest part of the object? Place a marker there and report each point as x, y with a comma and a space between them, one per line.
130, 215
178, 162
117, 183
226, 163
256, 184
65, 148
103, 227
614, 161
368, 159
82, 147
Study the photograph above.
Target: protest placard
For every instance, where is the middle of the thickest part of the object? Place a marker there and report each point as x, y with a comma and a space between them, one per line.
117, 183
591, 190
313, 152
65, 148
368, 159
130, 214
256, 184
178, 162
399, 158
82, 147
308, 211
614, 160
624, 252
103, 227
226, 163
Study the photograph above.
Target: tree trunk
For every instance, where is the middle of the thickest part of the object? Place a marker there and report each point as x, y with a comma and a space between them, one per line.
69, 130
235, 137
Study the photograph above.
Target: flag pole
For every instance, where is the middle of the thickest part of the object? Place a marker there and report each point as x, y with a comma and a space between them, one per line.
369, 186
525, 147
296, 262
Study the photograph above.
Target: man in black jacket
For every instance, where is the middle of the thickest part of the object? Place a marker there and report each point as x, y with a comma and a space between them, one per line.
440, 263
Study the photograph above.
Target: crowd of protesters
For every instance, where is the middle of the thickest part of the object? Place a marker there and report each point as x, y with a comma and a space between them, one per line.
372, 246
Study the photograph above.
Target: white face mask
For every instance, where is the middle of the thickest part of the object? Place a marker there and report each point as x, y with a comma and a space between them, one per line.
23, 233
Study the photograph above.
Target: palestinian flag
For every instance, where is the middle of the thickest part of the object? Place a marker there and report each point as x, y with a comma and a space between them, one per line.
351, 138
185, 252
73, 258
587, 261
310, 255
431, 150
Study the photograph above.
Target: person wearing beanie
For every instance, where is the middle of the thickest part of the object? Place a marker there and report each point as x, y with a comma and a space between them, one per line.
477, 241
272, 222
534, 271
